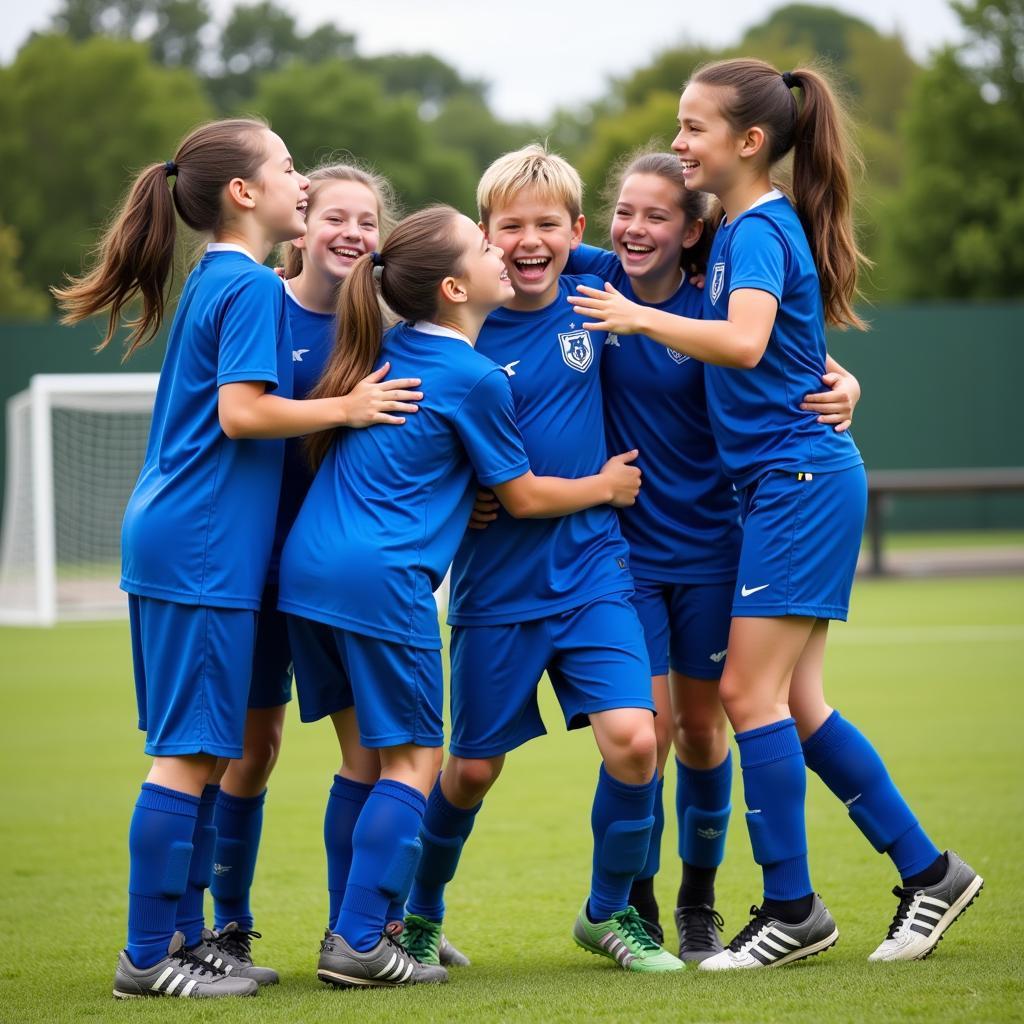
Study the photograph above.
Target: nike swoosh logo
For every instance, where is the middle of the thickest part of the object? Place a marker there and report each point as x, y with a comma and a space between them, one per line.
746, 591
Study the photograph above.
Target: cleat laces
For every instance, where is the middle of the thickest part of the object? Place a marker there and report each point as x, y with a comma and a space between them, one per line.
417, 939
634, 932
698, 925
236, 942
758, 920
906, 897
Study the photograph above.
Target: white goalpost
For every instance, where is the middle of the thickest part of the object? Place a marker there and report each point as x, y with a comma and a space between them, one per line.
75, 444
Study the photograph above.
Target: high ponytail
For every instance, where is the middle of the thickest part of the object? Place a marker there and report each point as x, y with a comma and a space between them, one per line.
816, 130
135, 257
418, 255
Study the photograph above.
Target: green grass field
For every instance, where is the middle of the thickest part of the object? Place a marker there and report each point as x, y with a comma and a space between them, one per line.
931, 670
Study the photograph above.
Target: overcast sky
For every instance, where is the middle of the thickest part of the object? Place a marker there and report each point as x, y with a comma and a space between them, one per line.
539, 54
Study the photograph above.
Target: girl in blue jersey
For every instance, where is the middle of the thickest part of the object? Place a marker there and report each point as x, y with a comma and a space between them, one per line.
199, 525
778, 272
374, 538
349, 210
684, 534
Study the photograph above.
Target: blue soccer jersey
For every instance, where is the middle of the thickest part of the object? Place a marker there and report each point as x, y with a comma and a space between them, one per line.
684, 527
312, 341
755, 414
390, 504
531, 568
199, 525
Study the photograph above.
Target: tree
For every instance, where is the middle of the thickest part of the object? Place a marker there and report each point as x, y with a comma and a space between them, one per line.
76, 120
18, 300
956, 226
327, 110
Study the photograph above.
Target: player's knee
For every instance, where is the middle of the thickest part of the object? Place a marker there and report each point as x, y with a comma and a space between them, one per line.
632, 754
472, 777
701, 734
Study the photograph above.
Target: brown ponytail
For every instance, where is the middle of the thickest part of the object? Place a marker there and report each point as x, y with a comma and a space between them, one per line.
817, 132
419, 254
136, 254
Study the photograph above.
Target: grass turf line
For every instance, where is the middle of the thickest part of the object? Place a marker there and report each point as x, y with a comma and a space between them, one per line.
944, 709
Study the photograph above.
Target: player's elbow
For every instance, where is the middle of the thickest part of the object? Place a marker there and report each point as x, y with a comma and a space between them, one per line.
234, 420
519, 498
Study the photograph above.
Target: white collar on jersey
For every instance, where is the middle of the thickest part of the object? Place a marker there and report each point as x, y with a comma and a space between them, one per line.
229, 247
291, 295
426, 327
768, 197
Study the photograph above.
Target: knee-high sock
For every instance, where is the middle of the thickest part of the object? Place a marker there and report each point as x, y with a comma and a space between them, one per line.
445, 830
849, 765
204, 842
702, 812
344, 805
774, 786
385, 852
653, 862
160, 849
621, 821
239, 824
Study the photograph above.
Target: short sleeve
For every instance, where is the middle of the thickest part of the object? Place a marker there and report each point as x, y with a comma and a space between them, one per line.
249, 331
486, 424
590, 259
758, 257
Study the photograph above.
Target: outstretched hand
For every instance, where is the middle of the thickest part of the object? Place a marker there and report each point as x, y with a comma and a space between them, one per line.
607, 310
836, 405
376, 400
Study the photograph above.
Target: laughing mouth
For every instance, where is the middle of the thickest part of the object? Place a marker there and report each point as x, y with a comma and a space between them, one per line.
531, 266
638, 250
346, 252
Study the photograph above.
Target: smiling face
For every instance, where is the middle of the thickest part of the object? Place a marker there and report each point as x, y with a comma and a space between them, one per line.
279, 192
706, 144
483, 277
649, 228
341, 225
537, 234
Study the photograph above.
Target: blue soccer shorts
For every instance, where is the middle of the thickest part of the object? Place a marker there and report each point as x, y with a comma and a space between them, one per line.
686, 626
272, 657
801, 540
192, 669
594, 655
397, 691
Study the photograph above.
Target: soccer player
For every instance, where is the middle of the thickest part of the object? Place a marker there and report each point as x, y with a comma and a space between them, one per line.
374, 538
530, 597
349, 210
684, 535
778, 271
199, 525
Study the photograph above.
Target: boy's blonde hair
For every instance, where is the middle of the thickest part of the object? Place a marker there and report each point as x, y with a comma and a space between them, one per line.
531, 167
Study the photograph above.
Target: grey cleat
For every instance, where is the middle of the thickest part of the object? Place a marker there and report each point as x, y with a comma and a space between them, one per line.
924, 914
387, 965
449, 955
769, 942
698, 929
230, 951
181, 973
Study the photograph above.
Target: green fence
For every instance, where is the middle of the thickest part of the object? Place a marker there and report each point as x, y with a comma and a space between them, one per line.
941, 389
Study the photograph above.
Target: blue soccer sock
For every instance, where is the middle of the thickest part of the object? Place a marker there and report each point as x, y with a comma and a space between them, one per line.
774, 786
159, 848
847, 763
189, 919
239, 823
444, 832
702, 813
653, 862
621, 821
344, 805
385, 852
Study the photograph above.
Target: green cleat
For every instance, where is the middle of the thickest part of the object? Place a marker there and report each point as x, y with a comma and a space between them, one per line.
422, 938
624, 939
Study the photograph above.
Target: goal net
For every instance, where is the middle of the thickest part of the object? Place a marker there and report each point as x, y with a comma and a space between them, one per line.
75, 444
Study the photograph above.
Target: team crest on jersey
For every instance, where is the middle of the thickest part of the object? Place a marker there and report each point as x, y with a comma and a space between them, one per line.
717, 281
577, 350
676, 357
